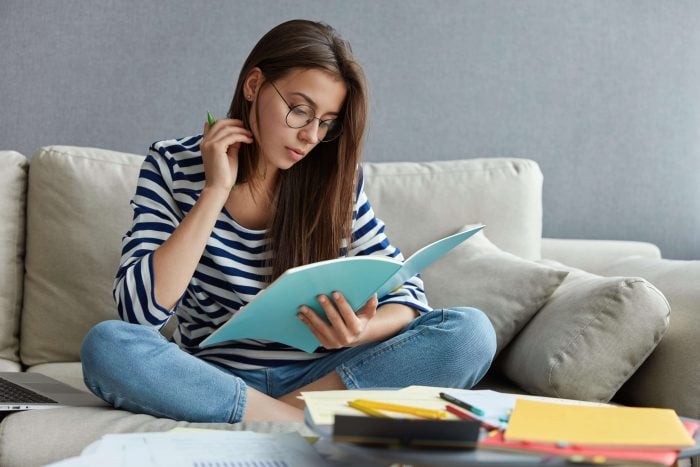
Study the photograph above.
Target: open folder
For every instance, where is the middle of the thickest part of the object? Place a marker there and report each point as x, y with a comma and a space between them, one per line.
272, 314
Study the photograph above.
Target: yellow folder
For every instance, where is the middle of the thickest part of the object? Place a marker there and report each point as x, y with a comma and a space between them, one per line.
609, 426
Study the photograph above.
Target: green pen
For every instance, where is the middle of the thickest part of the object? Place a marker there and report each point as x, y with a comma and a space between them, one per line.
212, 121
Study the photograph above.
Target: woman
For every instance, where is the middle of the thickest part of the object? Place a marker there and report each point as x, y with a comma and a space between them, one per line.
218, 216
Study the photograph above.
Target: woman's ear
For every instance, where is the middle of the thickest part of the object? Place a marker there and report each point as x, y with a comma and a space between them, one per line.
252, 83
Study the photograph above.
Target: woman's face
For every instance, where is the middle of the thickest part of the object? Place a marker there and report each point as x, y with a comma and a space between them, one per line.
281, 145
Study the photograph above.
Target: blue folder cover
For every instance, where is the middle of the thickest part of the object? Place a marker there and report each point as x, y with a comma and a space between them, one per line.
271, 315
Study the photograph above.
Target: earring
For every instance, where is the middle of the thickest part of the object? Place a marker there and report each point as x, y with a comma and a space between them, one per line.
249, 97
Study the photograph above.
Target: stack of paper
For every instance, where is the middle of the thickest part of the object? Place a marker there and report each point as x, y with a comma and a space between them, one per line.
541, 427
323, 406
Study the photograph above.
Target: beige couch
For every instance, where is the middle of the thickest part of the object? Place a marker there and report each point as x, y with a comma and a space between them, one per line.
64, 213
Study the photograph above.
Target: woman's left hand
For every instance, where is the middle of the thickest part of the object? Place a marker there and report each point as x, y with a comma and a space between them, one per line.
346, 327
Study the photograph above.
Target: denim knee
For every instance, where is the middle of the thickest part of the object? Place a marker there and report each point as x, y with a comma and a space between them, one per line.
103, 343
476, 322
99, 339
94, 342
133, 367
475, 338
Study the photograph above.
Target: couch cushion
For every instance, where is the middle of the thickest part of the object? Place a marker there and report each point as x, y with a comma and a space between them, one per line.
589, 338
77, 211
670, 377
70, 373
422, 202
13, 186
9, 365
509, 289
66, 432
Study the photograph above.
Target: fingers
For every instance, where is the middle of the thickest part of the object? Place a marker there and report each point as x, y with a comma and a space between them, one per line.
219, 148
323, 332
343, 327
224, 131
225, 137
228, 136
369, 309
345, 315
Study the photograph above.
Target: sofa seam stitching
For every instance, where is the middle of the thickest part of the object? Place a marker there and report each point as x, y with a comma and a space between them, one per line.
54, 151
558, 357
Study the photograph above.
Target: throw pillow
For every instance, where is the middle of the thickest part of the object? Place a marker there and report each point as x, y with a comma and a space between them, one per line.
589, 338
508, 289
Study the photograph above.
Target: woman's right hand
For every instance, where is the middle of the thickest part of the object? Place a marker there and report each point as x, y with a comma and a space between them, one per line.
219, 148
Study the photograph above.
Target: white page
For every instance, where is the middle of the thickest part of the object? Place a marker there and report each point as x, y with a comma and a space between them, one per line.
203, 448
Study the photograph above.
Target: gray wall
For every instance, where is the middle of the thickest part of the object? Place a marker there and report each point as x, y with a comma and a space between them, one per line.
605, 95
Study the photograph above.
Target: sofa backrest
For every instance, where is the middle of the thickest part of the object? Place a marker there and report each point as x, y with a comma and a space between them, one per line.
78, 209
422, 202
13, 185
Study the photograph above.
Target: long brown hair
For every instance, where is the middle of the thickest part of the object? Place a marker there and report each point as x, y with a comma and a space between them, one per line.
313, 201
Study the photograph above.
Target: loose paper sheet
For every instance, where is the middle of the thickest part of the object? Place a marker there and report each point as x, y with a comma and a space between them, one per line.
201, 448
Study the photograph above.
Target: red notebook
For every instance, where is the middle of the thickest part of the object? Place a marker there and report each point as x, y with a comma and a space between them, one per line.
588, 454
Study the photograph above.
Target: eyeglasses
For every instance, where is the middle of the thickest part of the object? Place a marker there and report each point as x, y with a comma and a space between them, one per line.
301, 115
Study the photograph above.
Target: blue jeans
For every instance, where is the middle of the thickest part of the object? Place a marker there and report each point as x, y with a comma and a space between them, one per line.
133, 367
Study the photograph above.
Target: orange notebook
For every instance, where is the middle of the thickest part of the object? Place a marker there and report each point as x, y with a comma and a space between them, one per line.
660, 457
603, 426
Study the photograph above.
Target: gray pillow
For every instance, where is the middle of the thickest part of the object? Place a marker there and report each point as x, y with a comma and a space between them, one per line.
590, 337
508, 289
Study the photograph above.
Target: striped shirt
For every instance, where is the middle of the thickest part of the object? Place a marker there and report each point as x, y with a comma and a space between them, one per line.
232, 269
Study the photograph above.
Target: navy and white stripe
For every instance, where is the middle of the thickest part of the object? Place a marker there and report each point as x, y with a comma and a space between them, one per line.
231, 271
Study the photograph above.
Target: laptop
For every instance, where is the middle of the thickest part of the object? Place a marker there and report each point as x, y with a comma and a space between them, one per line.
28, 391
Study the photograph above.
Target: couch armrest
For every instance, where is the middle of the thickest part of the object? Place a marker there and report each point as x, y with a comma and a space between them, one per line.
670, 377
594, 255
13, 187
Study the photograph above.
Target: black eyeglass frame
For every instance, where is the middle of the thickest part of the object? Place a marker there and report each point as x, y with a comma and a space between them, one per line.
335, 121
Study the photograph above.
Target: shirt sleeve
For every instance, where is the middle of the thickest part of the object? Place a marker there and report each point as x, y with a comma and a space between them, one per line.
156, 215
368, 238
